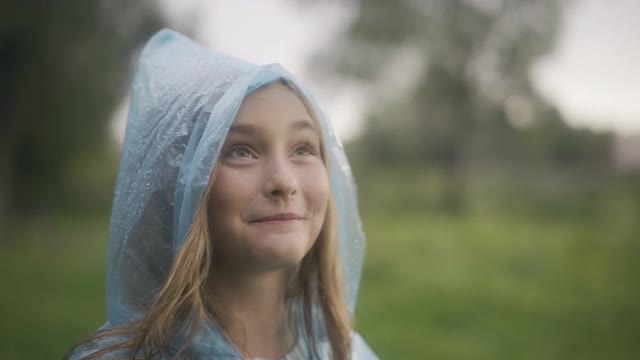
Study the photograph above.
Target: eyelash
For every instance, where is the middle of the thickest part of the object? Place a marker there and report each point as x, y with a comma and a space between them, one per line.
239, 147
307, 147
310, 149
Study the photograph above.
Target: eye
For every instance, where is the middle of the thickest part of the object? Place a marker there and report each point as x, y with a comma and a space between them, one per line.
239, 151
305, 149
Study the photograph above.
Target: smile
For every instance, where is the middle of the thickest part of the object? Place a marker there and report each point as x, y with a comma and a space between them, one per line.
282, 218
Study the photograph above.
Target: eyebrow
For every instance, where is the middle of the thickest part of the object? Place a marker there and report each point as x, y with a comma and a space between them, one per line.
301, 124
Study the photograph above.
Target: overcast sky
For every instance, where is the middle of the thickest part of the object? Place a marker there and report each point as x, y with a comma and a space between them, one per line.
593, 76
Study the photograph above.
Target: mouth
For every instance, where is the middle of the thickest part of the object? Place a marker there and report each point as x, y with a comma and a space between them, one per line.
278, 218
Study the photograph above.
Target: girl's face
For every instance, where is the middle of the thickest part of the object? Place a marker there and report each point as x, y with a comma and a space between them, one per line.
271, 189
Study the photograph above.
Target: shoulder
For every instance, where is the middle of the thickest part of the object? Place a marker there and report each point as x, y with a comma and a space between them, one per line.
96, 344
359, 348
86, 349
89, 348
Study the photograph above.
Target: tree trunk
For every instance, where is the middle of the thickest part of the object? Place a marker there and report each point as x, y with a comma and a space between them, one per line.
12, 63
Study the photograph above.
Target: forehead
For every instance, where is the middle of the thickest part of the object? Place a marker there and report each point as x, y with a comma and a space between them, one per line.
272, 102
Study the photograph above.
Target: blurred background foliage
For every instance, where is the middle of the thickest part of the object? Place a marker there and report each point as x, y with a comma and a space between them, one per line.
64, 68
496, 230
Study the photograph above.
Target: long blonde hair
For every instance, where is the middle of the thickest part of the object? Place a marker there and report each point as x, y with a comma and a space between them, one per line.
183, 303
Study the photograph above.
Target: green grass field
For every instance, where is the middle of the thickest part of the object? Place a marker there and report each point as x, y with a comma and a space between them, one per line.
495, 283
53, 271
489, 287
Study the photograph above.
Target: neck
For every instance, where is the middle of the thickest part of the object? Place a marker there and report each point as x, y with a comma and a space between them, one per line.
255, 315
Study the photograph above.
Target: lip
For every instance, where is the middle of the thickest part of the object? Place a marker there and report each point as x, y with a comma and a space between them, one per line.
280, 217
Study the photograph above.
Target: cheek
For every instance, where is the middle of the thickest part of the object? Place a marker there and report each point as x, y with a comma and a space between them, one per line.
316, 185
228, 198
226, 209
317, 201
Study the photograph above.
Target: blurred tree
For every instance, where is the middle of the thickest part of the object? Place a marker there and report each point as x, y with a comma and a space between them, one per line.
471, 89
63, 67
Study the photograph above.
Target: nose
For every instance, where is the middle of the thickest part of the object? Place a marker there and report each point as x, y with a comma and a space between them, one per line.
280, 180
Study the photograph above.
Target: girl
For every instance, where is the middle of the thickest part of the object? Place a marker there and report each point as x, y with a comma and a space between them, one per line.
234, 231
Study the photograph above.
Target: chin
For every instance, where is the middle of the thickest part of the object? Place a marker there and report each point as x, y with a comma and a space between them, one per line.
282, 252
